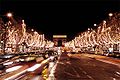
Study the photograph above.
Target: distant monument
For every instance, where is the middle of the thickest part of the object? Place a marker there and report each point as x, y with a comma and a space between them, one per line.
59, 40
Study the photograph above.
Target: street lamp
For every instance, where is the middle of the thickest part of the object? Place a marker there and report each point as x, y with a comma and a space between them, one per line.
110, 14
104, 21
32, 29
95, 24
9, 15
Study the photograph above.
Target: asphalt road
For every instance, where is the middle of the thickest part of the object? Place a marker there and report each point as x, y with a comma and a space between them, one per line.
85, 68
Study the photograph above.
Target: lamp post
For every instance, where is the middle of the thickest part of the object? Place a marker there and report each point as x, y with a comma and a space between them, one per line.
110, 15
9, 15
95, 25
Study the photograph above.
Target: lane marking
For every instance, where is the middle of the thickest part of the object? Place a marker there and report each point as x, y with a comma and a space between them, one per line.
118, 73
114, 79
71, 74
76, 72
84, 72
90, 77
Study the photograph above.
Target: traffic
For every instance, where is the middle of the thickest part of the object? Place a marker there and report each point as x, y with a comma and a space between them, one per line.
27, 66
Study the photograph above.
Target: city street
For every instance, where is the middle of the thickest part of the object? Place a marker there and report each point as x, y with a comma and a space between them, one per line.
60, 40
85, 67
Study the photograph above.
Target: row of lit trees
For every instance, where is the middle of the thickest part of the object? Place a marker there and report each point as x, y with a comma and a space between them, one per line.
15, 37
105, 36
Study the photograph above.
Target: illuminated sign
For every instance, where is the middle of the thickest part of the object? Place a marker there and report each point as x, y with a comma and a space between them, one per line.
59, 36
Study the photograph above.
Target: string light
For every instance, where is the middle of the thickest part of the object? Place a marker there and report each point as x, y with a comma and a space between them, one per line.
106, 34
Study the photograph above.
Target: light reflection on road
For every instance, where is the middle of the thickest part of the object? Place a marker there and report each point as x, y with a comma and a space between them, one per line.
13, 68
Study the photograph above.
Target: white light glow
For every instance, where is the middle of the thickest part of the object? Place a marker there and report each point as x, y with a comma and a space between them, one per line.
34, 67
13, 68
110, 14
9, 14
8, 63
59, 36
95, 24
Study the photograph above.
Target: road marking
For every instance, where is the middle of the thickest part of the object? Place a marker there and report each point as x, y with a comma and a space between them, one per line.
87, 74
76, 72
90, 77
71, 74
84, 72
118, 73
114, 79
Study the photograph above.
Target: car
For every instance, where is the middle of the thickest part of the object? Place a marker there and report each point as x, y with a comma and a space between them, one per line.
26, 59
117, 54
6, 56
51, 52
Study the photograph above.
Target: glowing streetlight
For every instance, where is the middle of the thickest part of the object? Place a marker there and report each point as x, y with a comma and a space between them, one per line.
95, 24
104, 21
9, 15
35, 32
32, 29
110, 14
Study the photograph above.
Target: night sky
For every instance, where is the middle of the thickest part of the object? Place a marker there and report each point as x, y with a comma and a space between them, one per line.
68, 17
